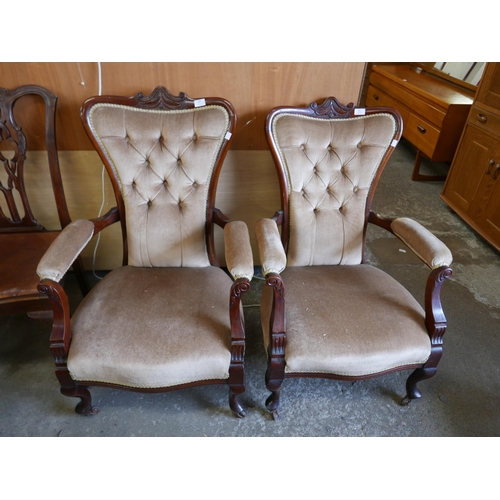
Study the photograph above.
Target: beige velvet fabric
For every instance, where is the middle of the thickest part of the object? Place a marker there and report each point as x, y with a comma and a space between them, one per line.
163, 161
160, 327
422, 242
348, 320
330, 165
65, 249
238, 251
272, 254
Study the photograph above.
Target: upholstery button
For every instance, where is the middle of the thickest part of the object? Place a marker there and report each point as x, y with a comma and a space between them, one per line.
149, 203
355, 189
359, 146
195, 137
302, 146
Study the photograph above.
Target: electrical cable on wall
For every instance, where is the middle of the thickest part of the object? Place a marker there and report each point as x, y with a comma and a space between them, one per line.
82, 82
99, 79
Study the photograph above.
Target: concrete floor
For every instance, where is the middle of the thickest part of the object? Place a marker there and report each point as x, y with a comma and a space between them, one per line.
461, 400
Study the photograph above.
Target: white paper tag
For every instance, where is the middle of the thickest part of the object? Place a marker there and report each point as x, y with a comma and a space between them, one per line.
228, 136
198, 103
359, 111
394, 143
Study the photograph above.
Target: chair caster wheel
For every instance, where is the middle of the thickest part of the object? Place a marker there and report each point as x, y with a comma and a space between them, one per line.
406, 401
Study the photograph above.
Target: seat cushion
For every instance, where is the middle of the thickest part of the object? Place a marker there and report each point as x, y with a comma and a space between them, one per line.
349, 321
153, 327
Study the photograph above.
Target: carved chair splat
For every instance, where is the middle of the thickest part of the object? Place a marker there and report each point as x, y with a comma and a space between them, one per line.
23, 240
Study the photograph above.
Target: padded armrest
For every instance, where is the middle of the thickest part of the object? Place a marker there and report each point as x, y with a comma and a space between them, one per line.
65, 249
422, 242
239, 258
271, 251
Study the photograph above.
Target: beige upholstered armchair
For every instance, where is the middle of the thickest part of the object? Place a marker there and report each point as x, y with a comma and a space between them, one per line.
326, 313
170, 317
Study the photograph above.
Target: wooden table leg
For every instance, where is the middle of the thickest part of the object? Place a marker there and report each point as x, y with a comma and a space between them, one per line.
417, 176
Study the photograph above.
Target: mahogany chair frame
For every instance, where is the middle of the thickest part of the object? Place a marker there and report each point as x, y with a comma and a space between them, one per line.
18, 219
60, 339
435, 320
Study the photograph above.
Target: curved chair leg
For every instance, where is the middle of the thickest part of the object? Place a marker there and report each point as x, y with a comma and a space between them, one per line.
412, 391
235, 405
273, 401
84, 407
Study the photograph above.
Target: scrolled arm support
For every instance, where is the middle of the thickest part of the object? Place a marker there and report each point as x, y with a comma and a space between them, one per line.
60, 337
435, 320
237, 368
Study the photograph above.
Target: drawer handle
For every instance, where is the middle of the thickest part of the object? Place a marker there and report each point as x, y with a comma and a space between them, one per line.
482, 118
375, 96
490, 166
421, 129
497, 171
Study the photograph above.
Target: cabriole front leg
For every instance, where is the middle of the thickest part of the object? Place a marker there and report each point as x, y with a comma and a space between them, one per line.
435, 322
60, 340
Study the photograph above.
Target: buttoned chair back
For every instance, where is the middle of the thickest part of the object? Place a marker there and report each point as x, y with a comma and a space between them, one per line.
326, 312
330, 168
170, 317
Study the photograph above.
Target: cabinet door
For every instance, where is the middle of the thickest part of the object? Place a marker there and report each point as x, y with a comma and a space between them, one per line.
468, 173
486, 208
489, 88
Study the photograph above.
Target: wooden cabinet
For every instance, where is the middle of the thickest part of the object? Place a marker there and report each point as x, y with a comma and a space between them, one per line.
472, 188
434, 110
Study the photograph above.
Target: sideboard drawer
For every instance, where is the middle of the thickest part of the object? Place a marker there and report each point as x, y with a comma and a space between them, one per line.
376, 97
409, 99
485, 119
421, 134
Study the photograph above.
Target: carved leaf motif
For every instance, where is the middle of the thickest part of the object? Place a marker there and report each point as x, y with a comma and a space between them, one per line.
332, 108
161, 98
237, 352
278, 344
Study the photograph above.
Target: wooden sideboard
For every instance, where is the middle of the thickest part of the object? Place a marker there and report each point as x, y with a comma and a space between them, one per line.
434, 110
472, 188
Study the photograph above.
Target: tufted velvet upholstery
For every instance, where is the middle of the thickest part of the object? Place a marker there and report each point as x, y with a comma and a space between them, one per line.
327, 332
130, 335
330, 166
327, 313
163, 162
170, 317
